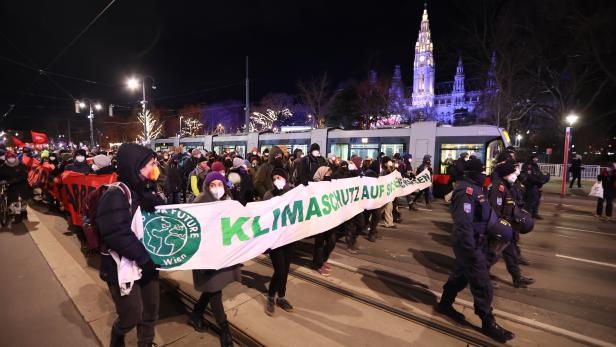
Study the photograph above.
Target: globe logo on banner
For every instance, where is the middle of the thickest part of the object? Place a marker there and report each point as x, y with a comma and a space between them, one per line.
171, 236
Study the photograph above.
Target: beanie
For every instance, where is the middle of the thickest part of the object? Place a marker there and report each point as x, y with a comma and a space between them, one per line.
214, 176
315, 147
473, 165
280, 172
218, 166
505, 169
237, 162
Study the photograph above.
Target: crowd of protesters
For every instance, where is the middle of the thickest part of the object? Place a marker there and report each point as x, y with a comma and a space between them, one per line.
178, 175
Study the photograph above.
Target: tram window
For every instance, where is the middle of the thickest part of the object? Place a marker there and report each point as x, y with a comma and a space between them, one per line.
391, 149
340, 150
453, 151
365, 150
494, 148
240, 150
264, 147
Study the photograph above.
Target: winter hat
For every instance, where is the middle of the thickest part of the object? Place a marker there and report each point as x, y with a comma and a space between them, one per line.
505, 169
218, 166
254, 149
280, 172
427, 157
100, 161
473, 165
214, 176
320, 174
331, 156
44, 154
357, 161
81, 152
315, 147
237, 162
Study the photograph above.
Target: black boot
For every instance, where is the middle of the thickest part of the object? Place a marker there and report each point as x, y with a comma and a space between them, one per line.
226, 340
522, 282
196, 321
116, 340
495, 331
450, 312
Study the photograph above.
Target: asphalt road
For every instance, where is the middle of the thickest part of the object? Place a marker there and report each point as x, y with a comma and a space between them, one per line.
35, 309
573, 257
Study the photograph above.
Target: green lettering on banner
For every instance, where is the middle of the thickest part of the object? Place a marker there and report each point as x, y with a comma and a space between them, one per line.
229, 230
381, 190
256, 227
364, 194
334, 204
276, 216
313, 208
297, 214
327, 207
374, 192
356, 189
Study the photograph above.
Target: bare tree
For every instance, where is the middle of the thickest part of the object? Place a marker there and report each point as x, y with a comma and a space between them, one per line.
315, 95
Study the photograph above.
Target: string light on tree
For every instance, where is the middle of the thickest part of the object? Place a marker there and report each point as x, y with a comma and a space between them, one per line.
265, 121
191, 126
154, 126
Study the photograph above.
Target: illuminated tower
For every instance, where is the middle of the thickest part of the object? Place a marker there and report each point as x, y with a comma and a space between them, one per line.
423, 66
458, 85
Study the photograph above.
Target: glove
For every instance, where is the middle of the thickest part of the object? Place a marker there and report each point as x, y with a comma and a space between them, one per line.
149, 266
149, 202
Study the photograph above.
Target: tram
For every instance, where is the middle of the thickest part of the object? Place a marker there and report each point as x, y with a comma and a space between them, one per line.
421, 138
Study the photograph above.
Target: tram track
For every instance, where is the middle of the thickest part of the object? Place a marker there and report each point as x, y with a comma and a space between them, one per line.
470, 339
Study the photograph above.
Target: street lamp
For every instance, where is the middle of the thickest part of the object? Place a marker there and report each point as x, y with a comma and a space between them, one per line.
571, 119
180, 131
97, 106
132, 84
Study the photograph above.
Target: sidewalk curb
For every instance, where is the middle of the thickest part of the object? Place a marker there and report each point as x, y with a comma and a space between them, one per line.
78, 285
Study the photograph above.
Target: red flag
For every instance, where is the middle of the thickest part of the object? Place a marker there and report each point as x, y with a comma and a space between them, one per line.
18, 142
39, 138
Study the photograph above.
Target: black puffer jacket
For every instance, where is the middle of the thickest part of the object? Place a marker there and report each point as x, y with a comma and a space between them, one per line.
83, 168
114, 215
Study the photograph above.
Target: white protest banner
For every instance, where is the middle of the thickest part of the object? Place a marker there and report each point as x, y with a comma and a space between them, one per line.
224, 233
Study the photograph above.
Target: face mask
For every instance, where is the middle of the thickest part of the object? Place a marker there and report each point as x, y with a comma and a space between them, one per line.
511, 178
396, 165
11, 160
352, 167
217, 192
254, 153
50, 158
2, 158
466, 158
197, 156
153, 176
254, 164
410, 160
80, 158
166, 157
280, 183
316, 153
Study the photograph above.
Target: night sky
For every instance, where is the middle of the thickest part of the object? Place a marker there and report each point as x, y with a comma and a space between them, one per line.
199, 47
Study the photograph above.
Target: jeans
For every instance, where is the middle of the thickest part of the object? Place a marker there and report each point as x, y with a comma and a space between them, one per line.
137, 309
215, 301
281, 261
324, 244
609, 205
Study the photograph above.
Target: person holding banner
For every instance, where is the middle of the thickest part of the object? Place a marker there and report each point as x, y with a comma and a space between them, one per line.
136, 303
281, 256
325, 242
80, 165
211, 282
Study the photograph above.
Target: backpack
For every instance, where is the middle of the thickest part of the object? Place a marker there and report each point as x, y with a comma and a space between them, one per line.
90, 229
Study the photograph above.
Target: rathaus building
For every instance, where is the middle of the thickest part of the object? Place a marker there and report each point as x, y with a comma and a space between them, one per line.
431, 100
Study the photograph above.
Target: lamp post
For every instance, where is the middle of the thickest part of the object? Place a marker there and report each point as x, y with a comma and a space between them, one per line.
93, 107
133, 83
571, 119
180, 131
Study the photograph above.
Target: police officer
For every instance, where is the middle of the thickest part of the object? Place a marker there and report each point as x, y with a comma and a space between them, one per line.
470, 211
533, 182
503, 203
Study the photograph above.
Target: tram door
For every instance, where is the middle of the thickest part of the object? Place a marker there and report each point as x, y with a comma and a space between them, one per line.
421, 148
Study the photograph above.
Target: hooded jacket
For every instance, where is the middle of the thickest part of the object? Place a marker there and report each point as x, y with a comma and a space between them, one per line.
307, 167
263, 177
114, 214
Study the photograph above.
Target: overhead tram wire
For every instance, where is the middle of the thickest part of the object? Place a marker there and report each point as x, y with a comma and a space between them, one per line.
58, 56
